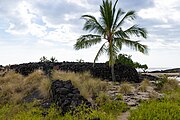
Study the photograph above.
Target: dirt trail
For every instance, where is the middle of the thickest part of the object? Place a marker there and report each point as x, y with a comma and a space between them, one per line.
124, 116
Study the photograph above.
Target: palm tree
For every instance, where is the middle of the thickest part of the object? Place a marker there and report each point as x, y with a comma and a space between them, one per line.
53, 59
109, 28
43, 59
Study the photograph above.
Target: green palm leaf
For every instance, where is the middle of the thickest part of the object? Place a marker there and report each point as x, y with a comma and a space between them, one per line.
86, 41
100, 52
137, 31
129, 14
135, 45
92, 24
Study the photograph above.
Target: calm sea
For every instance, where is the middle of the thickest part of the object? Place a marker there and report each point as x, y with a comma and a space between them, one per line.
158, 69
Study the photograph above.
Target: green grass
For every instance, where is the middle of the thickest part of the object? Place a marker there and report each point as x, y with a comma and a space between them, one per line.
164, 109
28, 111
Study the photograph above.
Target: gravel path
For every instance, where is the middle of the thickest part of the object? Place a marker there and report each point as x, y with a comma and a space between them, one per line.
124, 116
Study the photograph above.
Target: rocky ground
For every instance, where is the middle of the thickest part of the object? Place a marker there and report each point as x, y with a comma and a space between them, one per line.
136, 96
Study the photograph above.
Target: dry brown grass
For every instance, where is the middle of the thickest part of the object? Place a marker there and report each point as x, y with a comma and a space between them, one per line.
14, 87
144, 85
126, 88
170, 84
87, 85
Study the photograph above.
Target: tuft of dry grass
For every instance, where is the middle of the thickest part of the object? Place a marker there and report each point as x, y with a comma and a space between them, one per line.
170, 84
144, 85
45, 87
126, 88
87, 85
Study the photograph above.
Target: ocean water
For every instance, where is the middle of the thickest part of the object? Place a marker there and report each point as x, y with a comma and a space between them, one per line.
153, 69
158, 69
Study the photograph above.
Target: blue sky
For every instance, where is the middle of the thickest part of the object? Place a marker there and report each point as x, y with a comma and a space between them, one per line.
30, 29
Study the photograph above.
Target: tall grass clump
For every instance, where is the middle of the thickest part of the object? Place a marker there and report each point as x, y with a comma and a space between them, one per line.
144, 85
166, 84
11, 87
126, 88
87, 85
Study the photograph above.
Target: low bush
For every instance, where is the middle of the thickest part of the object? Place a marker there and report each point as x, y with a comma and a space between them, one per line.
115, 107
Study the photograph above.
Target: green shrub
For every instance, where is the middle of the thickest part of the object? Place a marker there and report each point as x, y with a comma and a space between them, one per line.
165, 84
102, 98
114, 107
157, 110
28, 111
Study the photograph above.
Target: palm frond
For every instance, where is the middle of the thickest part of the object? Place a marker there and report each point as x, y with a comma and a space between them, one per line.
135, 45
100, 52
86, 41
116, 18
121, 34
92, 24
106, 11
129, 14
137, 31
118, 43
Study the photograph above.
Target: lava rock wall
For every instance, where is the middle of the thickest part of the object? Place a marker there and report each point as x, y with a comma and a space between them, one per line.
100, 70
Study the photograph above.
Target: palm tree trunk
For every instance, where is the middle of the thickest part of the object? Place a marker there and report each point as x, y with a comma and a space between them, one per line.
112, 73
111, 60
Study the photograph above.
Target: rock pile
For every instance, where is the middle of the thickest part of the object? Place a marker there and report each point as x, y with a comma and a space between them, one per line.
66, 96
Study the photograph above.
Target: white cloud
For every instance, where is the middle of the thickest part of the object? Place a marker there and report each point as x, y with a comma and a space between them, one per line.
162, 26
82, 3
162, 11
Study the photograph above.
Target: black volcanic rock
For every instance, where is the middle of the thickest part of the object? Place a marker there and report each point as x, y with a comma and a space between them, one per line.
65, 95
148, 77
100, 70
